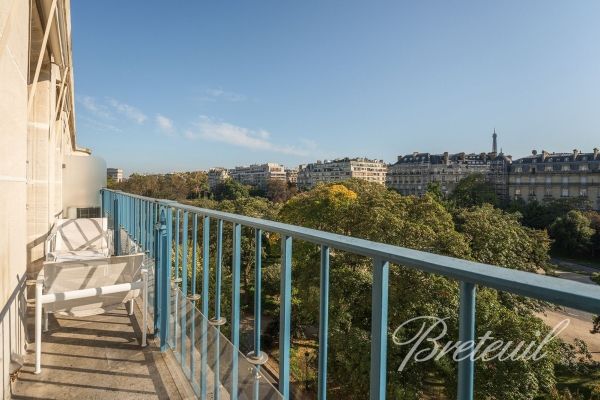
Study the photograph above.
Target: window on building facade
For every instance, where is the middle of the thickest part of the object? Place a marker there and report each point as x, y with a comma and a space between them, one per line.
565, 180
583, 167
548, 180
548, 192
518, 180
583, 192
584, 180
517, 192
564, 192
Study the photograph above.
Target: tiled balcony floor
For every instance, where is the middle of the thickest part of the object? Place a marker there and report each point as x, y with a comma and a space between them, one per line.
98, 357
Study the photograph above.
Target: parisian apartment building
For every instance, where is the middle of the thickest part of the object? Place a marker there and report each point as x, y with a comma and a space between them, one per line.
544, 176
116, 174
258, 175
412, 173
291, 175
217, 175
340, 170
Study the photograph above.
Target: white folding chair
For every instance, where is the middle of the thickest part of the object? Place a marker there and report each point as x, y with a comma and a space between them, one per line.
78, 239
89, 287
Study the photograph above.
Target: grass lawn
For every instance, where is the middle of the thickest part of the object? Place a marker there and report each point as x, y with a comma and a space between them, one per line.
587, 385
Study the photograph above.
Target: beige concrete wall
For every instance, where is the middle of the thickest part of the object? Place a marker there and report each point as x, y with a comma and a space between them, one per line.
35, 142
14, 53
84, 176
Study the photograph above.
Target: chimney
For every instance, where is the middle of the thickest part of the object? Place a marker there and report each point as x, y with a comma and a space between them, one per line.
534, 152
415, 153
575, 154
596, 152
544, 155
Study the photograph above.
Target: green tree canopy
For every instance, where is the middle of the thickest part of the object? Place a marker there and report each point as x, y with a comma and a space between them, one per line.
572, 233
231, 190
474, 190
369, 211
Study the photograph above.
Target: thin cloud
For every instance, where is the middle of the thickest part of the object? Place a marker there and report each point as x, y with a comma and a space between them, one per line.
92, 105
165, 124
98, 125
219, 131
215, 94
129, 111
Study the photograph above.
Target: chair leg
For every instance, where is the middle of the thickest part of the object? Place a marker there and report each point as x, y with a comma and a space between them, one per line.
38, 328
145, 309
45, 326
130, 307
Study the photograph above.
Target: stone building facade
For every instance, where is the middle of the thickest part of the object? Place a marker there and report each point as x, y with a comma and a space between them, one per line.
116, 174
340, 170
546, 176
291, 175
257, 175
412, 173
216, 176
44, 173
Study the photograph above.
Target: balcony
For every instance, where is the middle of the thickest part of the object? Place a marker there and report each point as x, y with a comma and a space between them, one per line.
189, 356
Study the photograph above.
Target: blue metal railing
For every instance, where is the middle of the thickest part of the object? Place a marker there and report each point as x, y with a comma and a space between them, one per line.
125, 210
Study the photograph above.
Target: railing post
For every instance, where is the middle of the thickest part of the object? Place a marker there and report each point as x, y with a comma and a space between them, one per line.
257, 289
205, 299
379, 311
157, 265
235, 307
285, 311
184, 283
193, 297
217, 321
323, 323
257, 357
466, 334
116, 228
166, 219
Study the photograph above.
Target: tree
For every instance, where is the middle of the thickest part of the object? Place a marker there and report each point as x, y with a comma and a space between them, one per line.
497, 237
572, 233
540, 215
367, 210
474, 190
435, 189
231, 190
594, 218
280, 191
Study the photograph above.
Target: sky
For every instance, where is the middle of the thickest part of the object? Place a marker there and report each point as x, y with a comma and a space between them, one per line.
178, 86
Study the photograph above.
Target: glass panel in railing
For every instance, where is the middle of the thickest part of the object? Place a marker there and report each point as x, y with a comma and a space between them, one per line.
210, 361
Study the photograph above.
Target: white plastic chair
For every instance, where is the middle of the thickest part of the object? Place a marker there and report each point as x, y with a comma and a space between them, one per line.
88, 287
78, 239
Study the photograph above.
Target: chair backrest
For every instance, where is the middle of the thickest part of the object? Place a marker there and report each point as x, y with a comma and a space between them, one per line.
64, 276
81, 234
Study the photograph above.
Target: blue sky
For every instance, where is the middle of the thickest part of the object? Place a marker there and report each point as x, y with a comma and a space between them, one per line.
211, 83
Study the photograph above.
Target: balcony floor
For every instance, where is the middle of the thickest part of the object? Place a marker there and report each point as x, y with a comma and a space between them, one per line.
98, 357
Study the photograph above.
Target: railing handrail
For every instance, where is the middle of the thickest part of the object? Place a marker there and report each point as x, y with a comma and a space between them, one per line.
585, 297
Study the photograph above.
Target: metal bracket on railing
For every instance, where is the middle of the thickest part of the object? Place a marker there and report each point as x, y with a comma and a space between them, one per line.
217, 321
194, 297
261, 359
